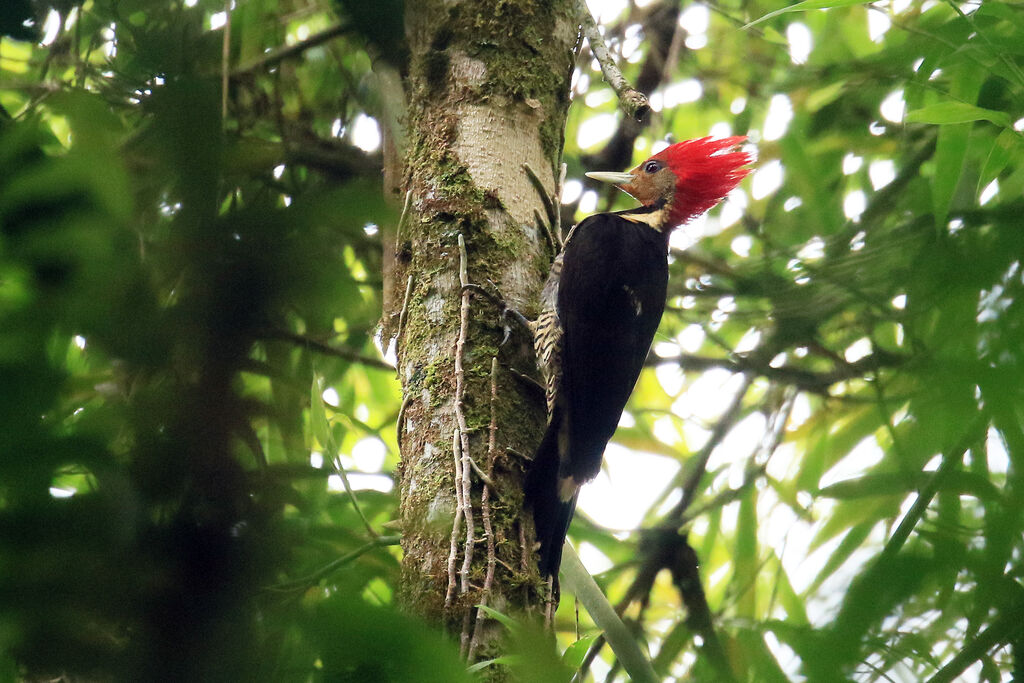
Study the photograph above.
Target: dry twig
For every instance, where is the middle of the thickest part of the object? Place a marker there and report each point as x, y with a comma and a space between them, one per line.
485, 513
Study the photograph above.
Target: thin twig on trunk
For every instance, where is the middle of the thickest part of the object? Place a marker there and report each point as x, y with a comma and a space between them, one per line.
485, 513
453, 552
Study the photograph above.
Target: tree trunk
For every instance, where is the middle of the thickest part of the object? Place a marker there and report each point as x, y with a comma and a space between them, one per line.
487, 92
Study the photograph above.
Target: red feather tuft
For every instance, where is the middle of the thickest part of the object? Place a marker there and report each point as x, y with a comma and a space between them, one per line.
706, 170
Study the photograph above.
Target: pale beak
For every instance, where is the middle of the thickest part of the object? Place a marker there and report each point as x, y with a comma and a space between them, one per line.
613, 178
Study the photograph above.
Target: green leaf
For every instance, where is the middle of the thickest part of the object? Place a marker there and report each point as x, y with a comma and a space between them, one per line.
803, 7
949, 112
950, 151
508, 621
1005, 147
508, 660
575, 653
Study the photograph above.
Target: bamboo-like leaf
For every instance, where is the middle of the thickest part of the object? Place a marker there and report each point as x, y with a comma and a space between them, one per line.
501, 617
944, 113
1006, 145
575, 653
578, 580
803, 7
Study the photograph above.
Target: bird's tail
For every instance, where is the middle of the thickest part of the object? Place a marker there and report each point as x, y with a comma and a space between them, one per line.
551, 515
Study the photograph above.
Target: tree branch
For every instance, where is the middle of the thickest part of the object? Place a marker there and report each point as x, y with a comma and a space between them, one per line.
275, 57
632, 101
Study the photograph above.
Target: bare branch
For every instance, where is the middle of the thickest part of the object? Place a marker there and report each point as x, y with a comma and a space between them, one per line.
327, 349
632, 101
272, 59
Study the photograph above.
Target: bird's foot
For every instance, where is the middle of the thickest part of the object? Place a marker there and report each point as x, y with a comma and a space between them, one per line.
507, 312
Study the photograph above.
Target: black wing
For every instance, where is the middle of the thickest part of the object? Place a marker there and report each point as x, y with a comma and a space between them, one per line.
610, 300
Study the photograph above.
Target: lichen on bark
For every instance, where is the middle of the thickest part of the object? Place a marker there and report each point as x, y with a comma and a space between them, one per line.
487, 91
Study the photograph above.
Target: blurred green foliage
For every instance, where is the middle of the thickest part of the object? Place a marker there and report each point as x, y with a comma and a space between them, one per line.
188, 303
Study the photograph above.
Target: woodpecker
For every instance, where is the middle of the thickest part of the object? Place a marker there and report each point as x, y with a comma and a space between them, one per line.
600, 308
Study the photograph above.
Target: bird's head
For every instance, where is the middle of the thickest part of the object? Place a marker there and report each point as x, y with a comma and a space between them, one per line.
686, 178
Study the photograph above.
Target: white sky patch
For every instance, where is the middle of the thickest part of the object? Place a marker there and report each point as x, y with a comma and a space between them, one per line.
854, 204
369, 454
857, 350
876, 128
109, 47
217, 20
656, 100
605, 11
741, 245
588, 202
749, 341
990, 191
696, 42
732, 208
191, 3
969, 7
593, 559
852, 163
695, 18
708, 396
595, 98
330, 396
801, 411
571, 191
62, 491
881, 173
682, 92
735, 449
1018, 125
859, 460
878, 23
739, 104
631, 42
337, 128
361, 482
814, 249
800, 43
278, 171
780, 113
766, 179
595, 130
792, 203
720, 130
995, 452
658, 146
893, 107
50, 28
79, 341
670, 378
620, 495
366, 133
664, 430
316, 459
899, 301
691, 338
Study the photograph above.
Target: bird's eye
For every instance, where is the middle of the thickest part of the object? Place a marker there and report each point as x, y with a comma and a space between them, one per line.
652, 167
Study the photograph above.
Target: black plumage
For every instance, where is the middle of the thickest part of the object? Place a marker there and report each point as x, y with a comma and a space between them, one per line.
600, 310
610, 294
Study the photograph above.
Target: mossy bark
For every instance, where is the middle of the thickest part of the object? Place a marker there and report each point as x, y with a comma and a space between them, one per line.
487, 91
